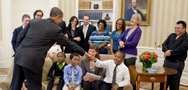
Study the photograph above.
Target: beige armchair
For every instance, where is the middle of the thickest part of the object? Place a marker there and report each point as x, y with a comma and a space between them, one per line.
5, 84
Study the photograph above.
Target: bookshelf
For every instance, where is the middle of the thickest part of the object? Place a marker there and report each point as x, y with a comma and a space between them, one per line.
88, 7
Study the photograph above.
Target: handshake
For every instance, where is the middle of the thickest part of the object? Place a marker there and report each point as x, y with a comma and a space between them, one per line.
89, 57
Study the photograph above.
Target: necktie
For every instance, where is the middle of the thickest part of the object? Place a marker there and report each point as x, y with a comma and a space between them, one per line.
85, 31
114, 77
73, 75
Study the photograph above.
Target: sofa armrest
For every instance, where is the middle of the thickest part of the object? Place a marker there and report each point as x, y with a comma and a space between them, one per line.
128, 87
44, 86
5, 85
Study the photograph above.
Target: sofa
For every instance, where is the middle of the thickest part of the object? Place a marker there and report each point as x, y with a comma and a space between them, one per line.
5, 84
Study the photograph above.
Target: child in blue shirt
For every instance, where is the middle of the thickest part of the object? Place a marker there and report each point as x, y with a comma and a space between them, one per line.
72, 74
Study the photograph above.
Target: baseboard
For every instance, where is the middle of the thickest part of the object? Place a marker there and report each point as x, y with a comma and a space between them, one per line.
5, 64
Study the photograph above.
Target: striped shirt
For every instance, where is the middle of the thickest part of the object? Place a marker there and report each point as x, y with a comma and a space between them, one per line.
99, 39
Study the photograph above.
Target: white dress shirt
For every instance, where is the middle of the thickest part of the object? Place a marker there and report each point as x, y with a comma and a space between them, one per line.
122, 72
135, 11
85, 27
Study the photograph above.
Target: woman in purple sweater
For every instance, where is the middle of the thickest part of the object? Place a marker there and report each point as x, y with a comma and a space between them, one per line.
129, 40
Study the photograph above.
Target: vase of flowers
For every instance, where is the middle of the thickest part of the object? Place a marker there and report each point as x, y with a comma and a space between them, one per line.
148, 58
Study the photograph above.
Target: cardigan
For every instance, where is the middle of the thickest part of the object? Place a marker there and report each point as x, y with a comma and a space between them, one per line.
132, 42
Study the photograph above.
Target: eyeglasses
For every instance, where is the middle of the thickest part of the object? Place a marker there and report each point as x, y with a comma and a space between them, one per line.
38, 15
118, 24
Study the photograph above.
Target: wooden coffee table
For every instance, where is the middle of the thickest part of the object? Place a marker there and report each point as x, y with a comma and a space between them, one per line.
138, 74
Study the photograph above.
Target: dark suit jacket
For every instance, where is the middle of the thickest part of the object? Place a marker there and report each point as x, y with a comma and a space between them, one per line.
178, 46
77, 33
130, 12
84, 41
15, 35
36, 39
63, 26
85, 65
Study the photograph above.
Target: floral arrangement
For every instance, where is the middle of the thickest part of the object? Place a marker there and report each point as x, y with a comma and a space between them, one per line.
148, 57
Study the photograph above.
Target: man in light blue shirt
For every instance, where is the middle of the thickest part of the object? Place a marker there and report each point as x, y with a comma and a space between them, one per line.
72, 74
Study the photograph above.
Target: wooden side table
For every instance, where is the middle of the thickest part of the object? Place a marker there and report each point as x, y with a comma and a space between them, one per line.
138, 74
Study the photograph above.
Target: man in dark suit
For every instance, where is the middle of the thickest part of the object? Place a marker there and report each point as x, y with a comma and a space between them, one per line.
33, 43
128, 14
86, 29
63, 26
25, 21
175, 52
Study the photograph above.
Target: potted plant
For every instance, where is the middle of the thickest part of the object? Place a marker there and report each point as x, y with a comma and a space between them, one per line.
148, 58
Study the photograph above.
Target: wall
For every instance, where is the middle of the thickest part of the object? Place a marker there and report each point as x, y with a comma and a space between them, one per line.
0, 22
69, 9
21, 7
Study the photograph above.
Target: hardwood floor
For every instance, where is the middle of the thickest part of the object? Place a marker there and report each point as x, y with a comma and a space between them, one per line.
143, 85
147, 86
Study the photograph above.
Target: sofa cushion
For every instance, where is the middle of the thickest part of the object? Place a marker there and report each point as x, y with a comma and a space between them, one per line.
46, 68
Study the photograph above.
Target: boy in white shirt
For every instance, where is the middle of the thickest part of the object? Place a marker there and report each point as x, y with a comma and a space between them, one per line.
117, 74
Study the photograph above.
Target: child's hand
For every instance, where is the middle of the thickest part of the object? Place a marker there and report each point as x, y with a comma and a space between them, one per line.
91, 79
73, 87
115, 87
70, 87
56, 81
86, 78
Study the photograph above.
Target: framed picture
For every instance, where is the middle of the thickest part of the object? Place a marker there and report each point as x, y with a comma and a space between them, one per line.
130, 7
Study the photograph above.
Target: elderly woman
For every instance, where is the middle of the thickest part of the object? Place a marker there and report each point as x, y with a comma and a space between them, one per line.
120, 28
129, 40
100, 37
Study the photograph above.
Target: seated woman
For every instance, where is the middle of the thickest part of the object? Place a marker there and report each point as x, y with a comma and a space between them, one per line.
120, 28
100, 37
89, 66
73, 33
